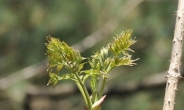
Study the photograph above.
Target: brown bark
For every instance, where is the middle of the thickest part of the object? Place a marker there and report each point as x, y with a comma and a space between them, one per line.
173, 73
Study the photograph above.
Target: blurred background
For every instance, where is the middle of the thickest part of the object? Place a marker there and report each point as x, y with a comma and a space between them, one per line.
85, 25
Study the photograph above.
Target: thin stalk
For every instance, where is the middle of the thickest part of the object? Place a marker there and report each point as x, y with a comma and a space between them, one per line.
84, 92
95, 90
102, 86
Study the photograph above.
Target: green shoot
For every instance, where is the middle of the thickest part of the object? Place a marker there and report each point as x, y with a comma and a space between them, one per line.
115, 54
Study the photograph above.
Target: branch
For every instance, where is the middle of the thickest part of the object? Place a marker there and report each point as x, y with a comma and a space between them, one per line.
174, 68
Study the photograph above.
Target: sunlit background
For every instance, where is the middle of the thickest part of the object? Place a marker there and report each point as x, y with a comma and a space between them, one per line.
85, 25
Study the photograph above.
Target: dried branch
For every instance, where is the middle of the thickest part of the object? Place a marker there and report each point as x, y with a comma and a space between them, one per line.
174, 69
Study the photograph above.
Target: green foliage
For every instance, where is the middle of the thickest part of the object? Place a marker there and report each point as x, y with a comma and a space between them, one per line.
115, 54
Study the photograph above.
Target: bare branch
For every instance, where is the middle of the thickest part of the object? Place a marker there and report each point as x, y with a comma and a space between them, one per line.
174, 68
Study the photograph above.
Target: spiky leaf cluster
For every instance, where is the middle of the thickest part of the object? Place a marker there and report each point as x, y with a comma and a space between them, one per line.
114, 54
122, 42
61, 55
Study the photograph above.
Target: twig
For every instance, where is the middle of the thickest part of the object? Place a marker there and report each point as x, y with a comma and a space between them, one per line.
174, 68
